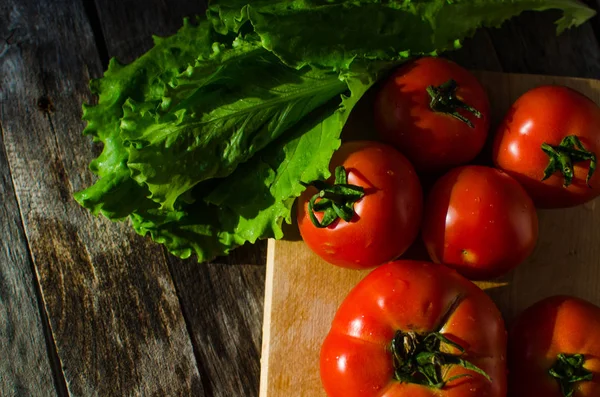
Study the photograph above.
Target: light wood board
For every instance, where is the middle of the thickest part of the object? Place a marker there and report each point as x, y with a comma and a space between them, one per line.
303, 292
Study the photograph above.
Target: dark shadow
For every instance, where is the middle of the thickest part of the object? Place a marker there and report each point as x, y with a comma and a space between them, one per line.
361, 123
417, 251
94, 19
485, 157
245, 255
291, 231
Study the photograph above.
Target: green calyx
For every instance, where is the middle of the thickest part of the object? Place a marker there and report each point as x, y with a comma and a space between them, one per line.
418, 359
334, 201
444, 100
568, 370
563, 156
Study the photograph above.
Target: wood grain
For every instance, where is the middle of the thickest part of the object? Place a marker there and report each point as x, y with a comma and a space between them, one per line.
28, 371
529, 44
128, 25
303, 292
110, 299
223, 304
222, 301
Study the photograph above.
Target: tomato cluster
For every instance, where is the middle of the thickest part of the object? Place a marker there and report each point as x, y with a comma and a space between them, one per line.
423, 329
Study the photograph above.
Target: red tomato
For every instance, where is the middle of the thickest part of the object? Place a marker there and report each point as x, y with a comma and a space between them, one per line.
479, 221
529, 140
435, 112
384, 325
556, 336
385, 221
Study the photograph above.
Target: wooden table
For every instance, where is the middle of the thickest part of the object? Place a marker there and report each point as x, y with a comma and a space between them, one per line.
86, 306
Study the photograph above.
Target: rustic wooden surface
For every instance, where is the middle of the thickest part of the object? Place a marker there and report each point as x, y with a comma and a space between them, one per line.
87, 307
21, 320
114, 313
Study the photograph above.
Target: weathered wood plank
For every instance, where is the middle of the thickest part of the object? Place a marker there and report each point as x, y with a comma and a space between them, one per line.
28, 372
528, 44
111, 302
223, 304
128, 25
223, 300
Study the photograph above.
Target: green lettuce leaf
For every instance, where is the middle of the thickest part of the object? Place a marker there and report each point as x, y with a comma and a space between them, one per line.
253, 202
116, 194
231, 15
220, 119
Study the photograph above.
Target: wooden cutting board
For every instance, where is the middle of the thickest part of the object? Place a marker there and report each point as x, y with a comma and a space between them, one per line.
303, 292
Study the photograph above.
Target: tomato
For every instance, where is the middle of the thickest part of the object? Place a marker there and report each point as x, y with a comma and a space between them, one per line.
435, 112
549, 141
479, 221
556, 338
382, 224
401, 319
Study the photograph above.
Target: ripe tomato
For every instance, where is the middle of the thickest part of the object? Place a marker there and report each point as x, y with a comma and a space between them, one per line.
479, 221
408, 321
380, 225
435, 112
549, 141
555, 350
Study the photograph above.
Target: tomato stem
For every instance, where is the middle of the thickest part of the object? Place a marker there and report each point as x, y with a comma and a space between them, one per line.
568, 370
444, 100
334, 201
563, 156
418, 359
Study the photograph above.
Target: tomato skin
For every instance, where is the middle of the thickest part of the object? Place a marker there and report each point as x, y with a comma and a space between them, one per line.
355, 359
548, 114
387, 218
558, 324
479, 221
431, 140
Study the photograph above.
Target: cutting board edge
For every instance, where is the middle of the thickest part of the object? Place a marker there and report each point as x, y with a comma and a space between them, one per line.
266, 332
